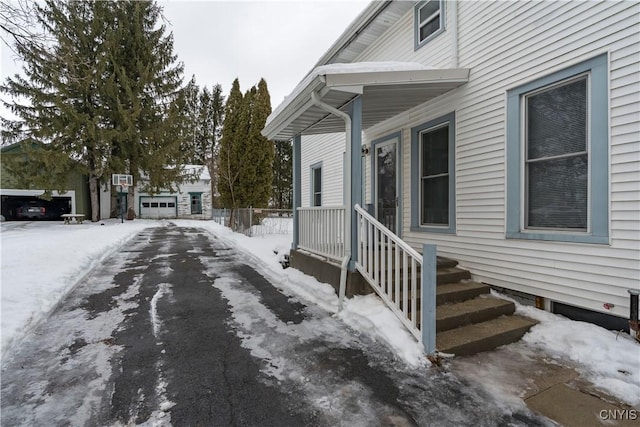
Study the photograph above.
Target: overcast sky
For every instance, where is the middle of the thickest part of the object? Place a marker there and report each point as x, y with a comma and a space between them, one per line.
278, 40
221, 40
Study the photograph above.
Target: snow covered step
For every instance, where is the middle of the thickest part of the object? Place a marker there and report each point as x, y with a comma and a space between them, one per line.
483, 336
459, 291
450, 316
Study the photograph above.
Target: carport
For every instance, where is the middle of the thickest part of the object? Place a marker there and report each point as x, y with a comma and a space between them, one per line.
12, 200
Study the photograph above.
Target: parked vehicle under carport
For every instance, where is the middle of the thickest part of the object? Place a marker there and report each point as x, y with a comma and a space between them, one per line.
28, 208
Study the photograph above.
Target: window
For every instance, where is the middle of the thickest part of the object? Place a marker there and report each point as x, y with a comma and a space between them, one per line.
196, 203
316, 185
433, 176
429, 21
154, 205
163, 204
557, 156
145, 204
171, 205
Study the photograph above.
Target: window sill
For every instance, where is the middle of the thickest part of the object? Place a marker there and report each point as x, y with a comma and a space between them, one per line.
440, 230
559, 237
418, 45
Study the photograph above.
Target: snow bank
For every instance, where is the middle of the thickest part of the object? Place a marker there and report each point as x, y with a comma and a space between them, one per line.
608, 359
43, 261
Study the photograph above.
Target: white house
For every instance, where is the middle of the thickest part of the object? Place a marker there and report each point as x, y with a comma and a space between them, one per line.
191, 201
505, 133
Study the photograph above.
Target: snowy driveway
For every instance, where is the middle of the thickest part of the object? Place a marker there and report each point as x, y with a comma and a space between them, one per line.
177, 329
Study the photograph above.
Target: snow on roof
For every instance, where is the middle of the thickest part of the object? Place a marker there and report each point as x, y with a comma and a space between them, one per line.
354, 67
200, 170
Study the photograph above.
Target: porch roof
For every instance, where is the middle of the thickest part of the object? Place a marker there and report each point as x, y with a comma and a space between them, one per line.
387, 89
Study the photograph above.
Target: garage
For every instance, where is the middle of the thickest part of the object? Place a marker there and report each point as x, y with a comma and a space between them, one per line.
158, 207
25, 205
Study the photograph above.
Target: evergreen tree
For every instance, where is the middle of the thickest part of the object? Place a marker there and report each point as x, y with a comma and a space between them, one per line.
283, 175
246, 157
257, 168
230, 151
102, 92
211, 114
144, 86
190, 115
59, 101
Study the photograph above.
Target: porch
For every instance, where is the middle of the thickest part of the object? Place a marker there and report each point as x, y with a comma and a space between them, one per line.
349, 246
438, 302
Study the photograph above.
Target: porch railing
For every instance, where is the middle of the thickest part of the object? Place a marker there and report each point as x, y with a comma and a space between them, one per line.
404, 279
321, 230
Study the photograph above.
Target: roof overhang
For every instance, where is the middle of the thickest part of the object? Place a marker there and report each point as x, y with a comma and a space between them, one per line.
387, 89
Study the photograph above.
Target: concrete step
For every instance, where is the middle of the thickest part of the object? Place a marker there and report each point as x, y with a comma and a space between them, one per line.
483, 336
451, 275
443, 262
443, 274
480, 309
460, 291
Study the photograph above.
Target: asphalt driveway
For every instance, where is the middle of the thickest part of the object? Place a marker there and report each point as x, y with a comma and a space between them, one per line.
177, 329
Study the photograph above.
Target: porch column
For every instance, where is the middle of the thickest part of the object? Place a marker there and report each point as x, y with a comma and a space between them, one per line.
297, 184
355, 180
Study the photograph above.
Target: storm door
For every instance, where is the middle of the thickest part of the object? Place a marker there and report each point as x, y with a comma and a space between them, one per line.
386, 183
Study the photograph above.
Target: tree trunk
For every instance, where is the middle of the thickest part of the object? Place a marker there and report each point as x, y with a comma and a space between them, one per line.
95, 202
113, 209
131, 211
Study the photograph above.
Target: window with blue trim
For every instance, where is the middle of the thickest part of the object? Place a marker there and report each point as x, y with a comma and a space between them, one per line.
316, 185
428, 21
557, 156
433, 176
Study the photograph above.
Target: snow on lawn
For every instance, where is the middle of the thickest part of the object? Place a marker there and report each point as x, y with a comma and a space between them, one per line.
43, 261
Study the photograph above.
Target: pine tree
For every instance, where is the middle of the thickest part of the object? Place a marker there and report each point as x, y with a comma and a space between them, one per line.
58, 101
101, 93
211, 114
191, 116
259, 152
229, 157
283, 175
146, 83
246, 157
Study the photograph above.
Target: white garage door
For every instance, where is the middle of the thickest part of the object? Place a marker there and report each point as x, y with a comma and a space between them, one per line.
158, 207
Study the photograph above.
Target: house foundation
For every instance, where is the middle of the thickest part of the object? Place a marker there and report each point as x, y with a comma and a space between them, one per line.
328, 271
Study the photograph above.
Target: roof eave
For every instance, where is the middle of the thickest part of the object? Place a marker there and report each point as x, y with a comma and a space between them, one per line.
335, 81
352, 82
292, 110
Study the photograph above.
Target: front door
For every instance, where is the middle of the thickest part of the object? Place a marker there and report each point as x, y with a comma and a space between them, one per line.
386, 183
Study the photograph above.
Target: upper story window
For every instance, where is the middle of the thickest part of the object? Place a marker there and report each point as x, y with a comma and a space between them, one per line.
429, 20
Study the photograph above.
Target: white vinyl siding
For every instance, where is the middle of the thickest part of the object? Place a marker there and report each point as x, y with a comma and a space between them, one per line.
327, 149
508, 44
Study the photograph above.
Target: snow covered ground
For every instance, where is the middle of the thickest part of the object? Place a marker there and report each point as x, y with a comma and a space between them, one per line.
43, 261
